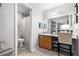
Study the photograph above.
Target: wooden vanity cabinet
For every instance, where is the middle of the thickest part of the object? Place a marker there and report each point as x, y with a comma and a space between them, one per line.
45, 41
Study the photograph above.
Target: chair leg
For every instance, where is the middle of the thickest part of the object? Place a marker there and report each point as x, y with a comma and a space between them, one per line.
58, 50
58, 53
70, 51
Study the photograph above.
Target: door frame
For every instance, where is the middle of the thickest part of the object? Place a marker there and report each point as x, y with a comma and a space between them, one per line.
16, 27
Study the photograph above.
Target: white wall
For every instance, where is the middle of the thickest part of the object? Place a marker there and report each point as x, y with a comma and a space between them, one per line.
19, 18
76, 26
76, 29
7, 24
26, 31
37, 16
61, 10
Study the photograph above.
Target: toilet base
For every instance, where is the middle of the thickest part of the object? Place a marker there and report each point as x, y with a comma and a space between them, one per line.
20, 44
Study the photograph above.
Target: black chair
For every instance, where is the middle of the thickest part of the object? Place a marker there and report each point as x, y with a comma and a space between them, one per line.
65, 43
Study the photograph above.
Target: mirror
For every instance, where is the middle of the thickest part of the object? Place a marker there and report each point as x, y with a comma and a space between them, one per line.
55, 24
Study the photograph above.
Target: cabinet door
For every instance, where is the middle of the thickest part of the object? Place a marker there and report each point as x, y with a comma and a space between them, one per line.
41, 41
45, 42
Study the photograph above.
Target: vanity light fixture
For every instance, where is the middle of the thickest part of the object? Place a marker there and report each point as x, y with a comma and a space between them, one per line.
76, 13
76, 8
76, 18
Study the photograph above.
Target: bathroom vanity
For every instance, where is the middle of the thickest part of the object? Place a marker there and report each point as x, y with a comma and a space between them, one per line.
49, 41
46, 40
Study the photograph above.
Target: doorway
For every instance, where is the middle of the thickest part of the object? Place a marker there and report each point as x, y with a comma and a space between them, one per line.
23, 27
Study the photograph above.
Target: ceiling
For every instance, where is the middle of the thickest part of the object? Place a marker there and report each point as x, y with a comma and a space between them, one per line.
45, 6
41, 6
23, 9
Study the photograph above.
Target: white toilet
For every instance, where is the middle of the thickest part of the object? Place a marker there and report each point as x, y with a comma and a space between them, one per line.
20, 42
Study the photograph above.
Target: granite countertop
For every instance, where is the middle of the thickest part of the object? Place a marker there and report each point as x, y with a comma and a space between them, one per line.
73, 36
48, 34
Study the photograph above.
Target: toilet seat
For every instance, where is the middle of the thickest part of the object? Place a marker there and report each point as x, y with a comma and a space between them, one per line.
21, 40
